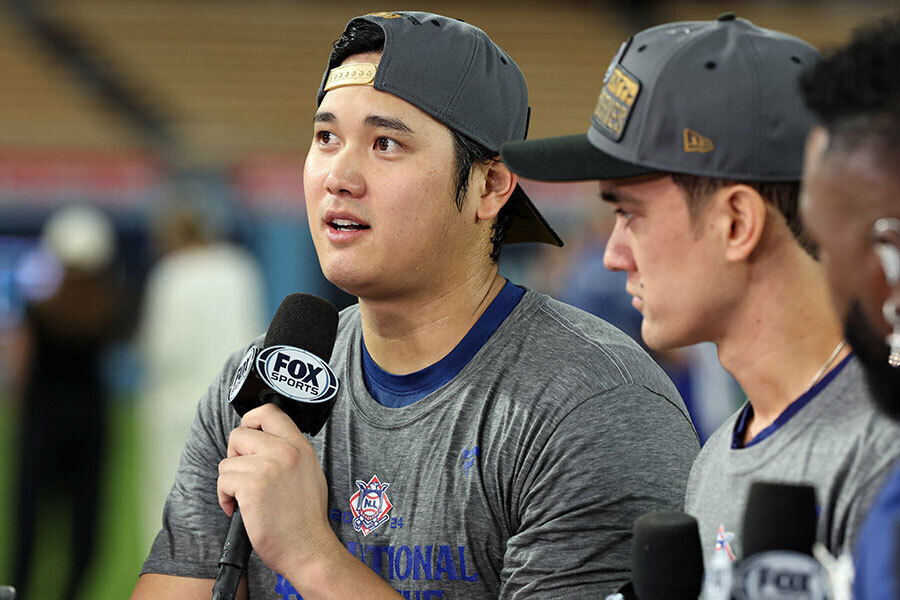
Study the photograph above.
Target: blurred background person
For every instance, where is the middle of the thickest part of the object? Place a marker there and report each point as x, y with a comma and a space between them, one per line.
851, 206
68, 323
203, 298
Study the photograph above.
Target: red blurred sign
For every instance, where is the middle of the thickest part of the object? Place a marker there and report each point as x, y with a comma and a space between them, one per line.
112, 179
271, 184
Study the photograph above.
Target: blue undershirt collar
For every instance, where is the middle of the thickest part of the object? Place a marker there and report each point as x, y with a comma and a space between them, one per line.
396, 391
740, 427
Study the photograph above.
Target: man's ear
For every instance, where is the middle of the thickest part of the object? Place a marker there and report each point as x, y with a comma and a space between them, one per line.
499, 184
745, 212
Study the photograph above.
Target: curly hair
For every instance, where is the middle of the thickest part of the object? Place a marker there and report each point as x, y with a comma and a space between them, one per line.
855, 90
361, 37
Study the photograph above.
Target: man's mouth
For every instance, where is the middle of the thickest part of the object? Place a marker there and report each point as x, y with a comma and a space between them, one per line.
346, 225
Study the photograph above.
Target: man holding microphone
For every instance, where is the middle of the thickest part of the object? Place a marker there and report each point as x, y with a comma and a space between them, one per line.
487, 441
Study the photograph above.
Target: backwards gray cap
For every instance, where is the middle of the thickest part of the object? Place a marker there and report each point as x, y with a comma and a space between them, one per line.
455, 73
717, 99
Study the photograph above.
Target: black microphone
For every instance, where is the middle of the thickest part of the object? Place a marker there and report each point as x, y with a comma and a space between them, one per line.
778, 534
666, 558
779, 516
292, 372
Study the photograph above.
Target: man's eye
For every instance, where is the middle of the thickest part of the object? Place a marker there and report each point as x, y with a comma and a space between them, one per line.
325, 137
386, 144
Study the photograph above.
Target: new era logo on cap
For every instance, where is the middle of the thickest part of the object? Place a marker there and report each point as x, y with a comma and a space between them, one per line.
694, 142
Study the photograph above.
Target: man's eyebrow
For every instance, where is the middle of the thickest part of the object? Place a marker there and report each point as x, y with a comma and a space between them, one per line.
377, 121
324, 117
387, 123
617, 196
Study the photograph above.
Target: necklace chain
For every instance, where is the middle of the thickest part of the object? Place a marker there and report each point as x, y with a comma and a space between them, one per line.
821, 371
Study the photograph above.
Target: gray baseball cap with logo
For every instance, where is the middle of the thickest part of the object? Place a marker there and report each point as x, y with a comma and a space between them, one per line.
718, 99
454, 72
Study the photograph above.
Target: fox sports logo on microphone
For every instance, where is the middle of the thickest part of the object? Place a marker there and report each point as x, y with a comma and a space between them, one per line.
240, 376
781, 575
297, 374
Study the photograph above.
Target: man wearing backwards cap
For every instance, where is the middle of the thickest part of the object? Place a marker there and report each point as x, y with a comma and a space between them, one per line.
487, 440
697, 140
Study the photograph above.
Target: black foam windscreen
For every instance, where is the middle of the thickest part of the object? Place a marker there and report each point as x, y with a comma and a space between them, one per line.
306, 322
779, 516
666, 558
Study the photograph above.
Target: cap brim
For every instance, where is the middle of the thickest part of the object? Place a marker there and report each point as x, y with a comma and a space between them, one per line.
529, 225
566, 158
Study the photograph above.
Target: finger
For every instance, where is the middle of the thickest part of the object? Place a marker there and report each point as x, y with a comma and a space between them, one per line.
227, 504
226, 485
271, 419
244, 441
237, 477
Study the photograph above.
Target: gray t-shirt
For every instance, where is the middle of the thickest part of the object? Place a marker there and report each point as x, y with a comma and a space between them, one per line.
837, 442
520, 478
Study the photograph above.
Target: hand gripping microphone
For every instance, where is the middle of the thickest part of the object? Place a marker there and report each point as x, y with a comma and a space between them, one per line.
666, 559
778, 535
292, 372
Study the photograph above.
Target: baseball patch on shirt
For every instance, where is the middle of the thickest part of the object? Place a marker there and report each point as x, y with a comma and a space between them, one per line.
723, 542
370, 505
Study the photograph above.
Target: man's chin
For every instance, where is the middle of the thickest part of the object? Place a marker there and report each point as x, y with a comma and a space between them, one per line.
660, 340
872, 352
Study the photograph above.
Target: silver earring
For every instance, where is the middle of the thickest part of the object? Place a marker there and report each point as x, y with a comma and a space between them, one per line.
884, 235
889, 309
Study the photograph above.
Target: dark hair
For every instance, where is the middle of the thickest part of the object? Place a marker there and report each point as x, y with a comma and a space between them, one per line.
784, 196
361, 37
468, 152
358, 38
855, 90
